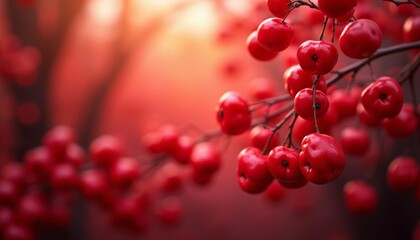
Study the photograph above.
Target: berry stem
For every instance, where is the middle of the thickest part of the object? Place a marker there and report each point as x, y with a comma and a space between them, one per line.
324, 26
314, 108
288, 139
276, 128
398, 3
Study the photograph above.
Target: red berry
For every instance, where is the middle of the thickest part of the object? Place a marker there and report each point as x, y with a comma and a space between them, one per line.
124, 172
261, 88
354, 141
168, 137
403, 174
233, 114
295, 79
345, 102
304, 105
317, 57
360, 39
7, 217
253, 174
336, 9
57, 140
59, 216
259, 137
321, 160
93, 184
17, 231
383, 98
105, 150
360, 197
366, 118
32, 210
13, 172
74, 155
205, 158
64, 177
402, 125
274, 34
125, 211
278, 8
170, 178
283, 163
183, 150
411, 29
169, 210
257, 51
39, 161
275, 192
9, 192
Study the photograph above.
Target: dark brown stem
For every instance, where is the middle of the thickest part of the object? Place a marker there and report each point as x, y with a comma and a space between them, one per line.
276, 128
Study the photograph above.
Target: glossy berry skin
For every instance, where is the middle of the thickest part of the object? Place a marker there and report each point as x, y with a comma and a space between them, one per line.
402, 125
411, 29
345, 102
124, 172
278, 7
336, 9
304, 103
317, 57
93, 184
105, 150
354, 141
383, 98
321, 160
360, 39
233, 114
257, 51
295, 79
359, 197
205, 158
275, 192
57, 140
366, 118
283, 163
253, 174
183, 150
403, 174
259, 136
274, 35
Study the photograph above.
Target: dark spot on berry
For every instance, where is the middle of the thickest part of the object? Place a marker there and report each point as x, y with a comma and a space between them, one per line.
243, 176
383, 96
221, 114
307, 165
317, 106
315, 57
284, 163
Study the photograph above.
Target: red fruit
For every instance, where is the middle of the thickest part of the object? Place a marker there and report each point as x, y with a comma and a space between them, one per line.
261, 88
383, 98
366, 118
283, 164
257, 51
295, 79
304, 103
253, 174
105, 150
360, 39
32, 210
411, 29
275, 192
259, 137
402, 125
124, 172
74, 155
125, 211
169, 210
360, 197
233, 114
39, 161
57, 140
13, 172
183, 150
274, 35
64, 176
60, 216
7, 217
317, 57
278, 8
93, 183
336, 9
153, 143
205, 158
299, 183
168, 137
345, 102
354, 141
321, 160
170, 178
9, 192
403, 174
17, 231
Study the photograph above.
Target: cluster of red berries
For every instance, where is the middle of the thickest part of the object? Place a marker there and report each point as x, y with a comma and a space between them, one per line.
310, 153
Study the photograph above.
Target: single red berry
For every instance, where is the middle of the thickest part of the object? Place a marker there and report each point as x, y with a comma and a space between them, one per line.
233, 114
170, 178
7, 217
17, 231
9, 192
257, 51
336, 9
354, 141
183, 150
253, 174
205, 158
169, 210
299, 183
57, 140
32, 210
64, 177
411, 29
169, 137
317, 57
383, 98
75, 155
93, 184
275, 192
295, 79
360, 197
345, 102
403, 174
39, 161
321, 160
366, 118
260, 135
283, 163
402, 125
153, 143
278, 8
274, 34
124, 172
360, 39
13, 172
124, 211
105, 150
304, 105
